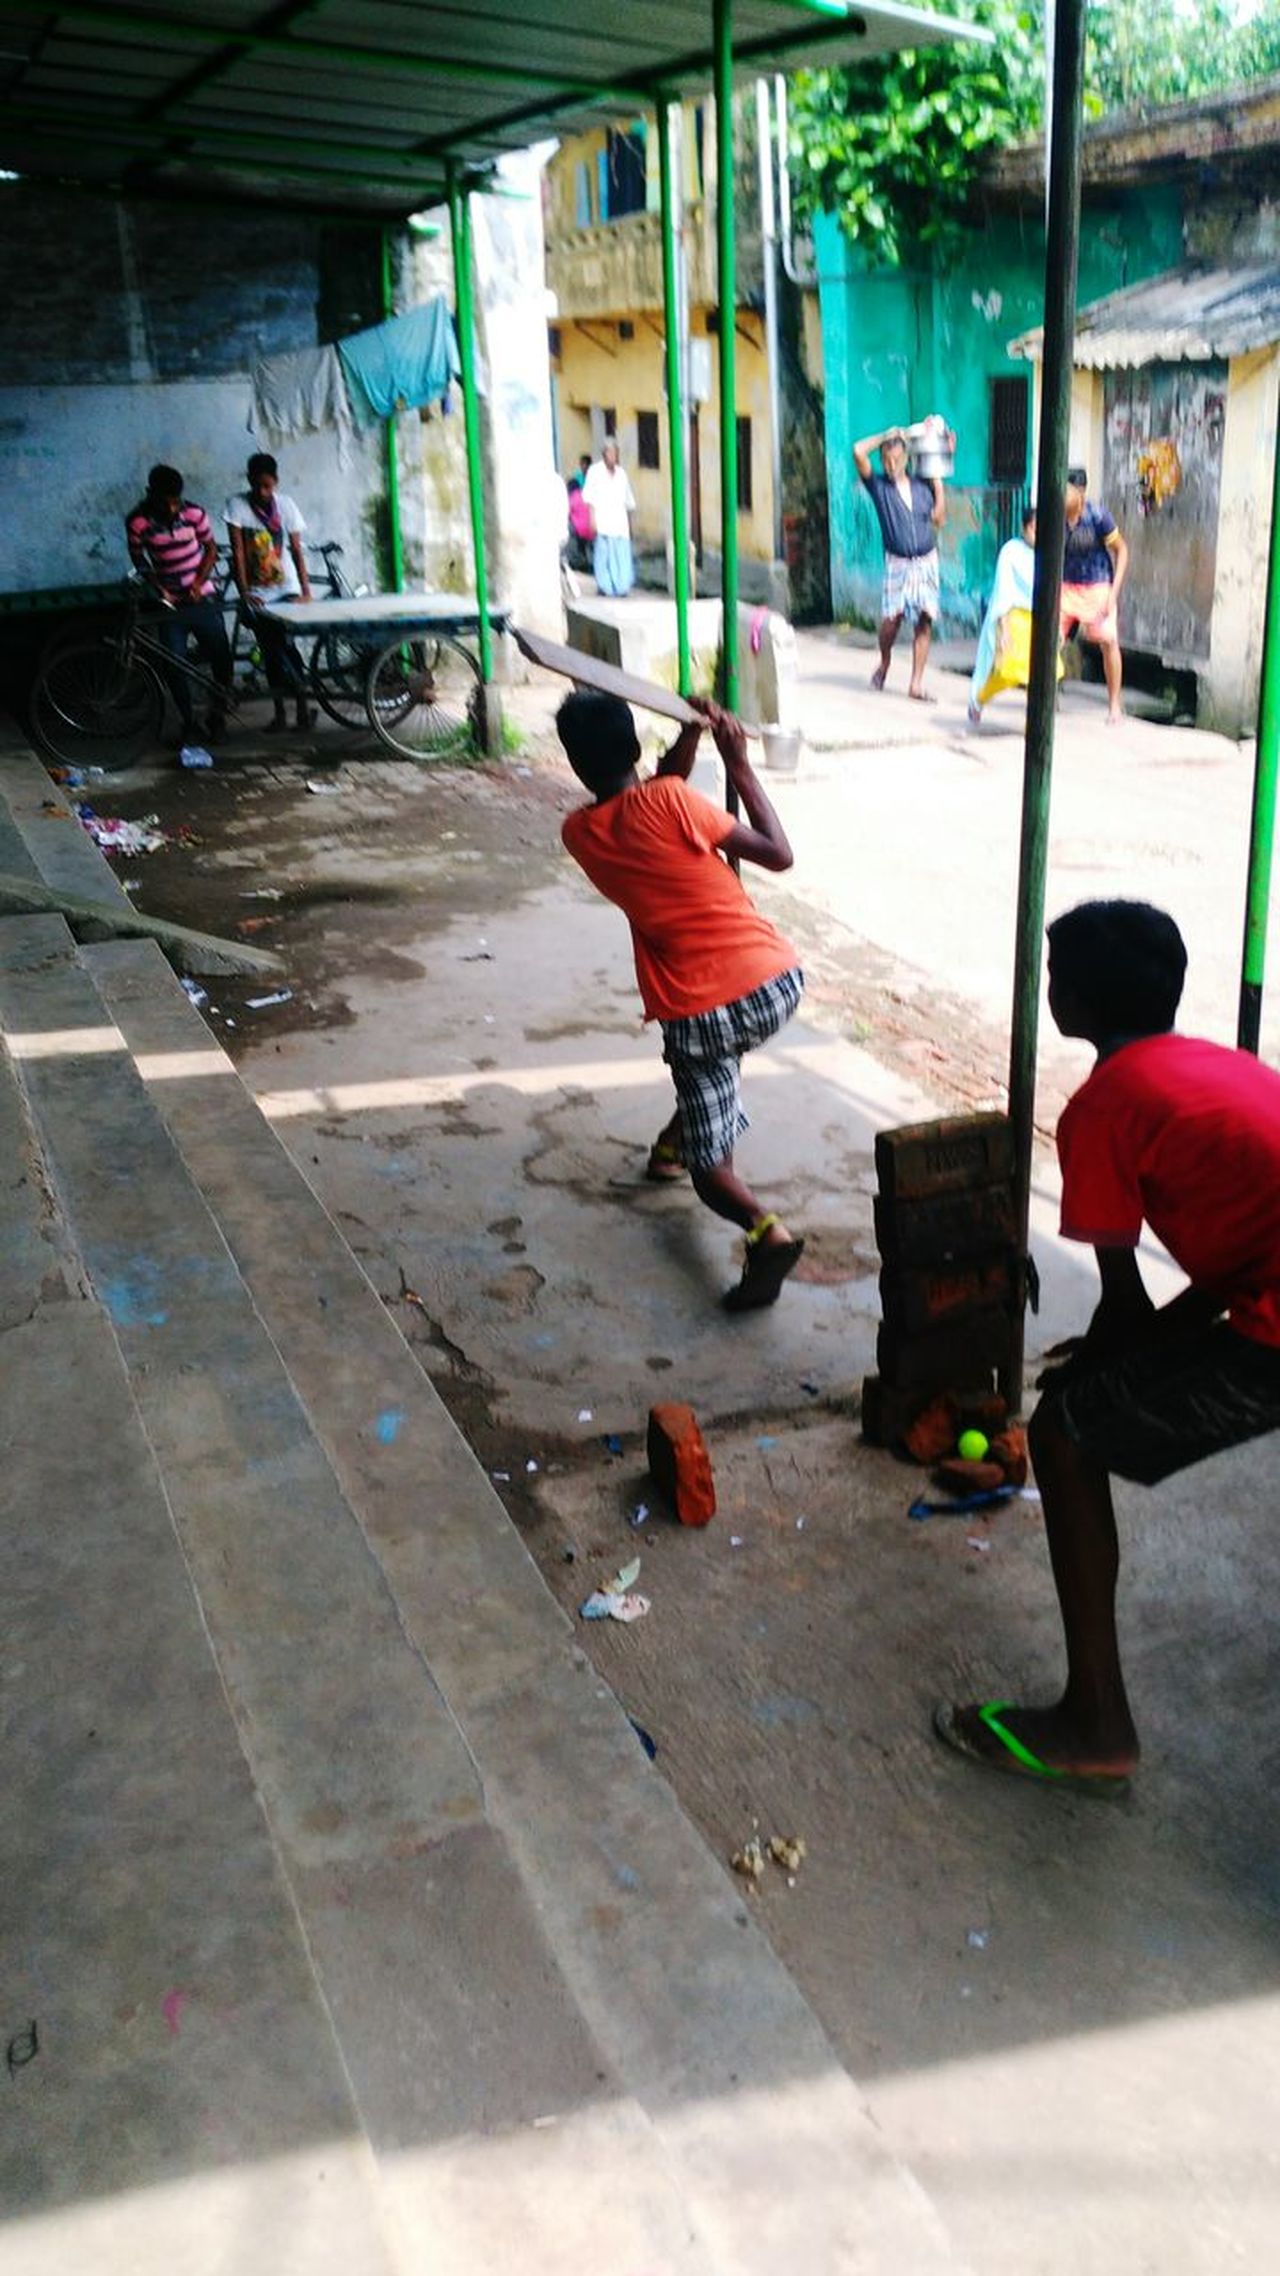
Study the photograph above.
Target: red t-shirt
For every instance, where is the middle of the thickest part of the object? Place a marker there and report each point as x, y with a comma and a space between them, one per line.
699, 941
1185, 1135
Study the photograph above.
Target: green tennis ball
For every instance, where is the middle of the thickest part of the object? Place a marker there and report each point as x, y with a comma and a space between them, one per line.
971, 1445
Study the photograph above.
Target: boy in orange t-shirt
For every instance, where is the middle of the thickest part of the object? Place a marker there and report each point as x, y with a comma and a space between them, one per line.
714, 973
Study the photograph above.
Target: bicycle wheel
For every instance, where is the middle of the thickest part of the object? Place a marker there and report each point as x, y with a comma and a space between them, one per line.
339, 672
94, 706
420, 692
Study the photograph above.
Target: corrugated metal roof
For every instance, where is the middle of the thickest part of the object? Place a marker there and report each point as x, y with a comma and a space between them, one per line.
1192, 315
357, 105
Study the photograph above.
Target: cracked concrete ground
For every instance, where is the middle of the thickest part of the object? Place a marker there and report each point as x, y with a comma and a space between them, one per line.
1067, 2019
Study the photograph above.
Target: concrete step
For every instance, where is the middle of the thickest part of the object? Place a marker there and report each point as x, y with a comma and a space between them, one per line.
36, 815
408, 1919
149, 1944
762, 2133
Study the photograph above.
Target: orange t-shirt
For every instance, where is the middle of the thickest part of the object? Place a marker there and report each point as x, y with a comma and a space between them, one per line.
699, 940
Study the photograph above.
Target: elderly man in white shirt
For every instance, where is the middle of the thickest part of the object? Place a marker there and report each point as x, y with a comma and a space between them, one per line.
608, 493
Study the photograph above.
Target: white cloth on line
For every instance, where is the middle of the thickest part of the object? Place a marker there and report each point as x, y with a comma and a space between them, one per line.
299, 394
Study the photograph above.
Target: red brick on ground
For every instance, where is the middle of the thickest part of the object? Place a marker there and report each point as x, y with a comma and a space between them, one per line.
680, 1464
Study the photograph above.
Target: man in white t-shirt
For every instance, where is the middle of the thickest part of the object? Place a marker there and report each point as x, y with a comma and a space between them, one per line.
269, 565
608, 494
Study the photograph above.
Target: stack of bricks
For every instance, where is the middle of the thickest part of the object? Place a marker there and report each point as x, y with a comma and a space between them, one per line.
949, 1280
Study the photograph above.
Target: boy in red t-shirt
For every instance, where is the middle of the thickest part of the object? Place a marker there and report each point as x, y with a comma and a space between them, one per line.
714, 973
1185, 1136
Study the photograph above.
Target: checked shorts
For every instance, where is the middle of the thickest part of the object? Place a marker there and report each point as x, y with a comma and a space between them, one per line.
703, 1053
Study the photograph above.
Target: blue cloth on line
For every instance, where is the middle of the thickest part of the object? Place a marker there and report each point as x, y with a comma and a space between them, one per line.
410, 359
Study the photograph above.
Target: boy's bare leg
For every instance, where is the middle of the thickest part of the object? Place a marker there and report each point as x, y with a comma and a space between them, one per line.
920, 639
890, 627
1113, 673
1091, 1728
723, 1191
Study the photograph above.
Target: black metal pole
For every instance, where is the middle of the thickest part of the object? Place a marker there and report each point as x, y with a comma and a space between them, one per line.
1062, 242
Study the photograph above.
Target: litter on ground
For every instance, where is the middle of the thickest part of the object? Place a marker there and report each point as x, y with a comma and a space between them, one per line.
788, 1851
749, 1860
115, 835
606, 1604
263, 1003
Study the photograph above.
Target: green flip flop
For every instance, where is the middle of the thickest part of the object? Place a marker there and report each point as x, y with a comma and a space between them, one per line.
1017, 1760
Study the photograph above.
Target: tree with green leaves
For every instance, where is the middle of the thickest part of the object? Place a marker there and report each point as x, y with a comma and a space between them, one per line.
895, 146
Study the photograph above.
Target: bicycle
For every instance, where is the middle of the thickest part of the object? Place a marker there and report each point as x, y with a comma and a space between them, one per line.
99, 700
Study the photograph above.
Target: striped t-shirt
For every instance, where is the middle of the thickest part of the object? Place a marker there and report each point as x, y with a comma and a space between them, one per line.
170, 551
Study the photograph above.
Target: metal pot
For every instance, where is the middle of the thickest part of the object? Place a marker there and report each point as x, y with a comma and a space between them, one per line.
781, 749
931, 450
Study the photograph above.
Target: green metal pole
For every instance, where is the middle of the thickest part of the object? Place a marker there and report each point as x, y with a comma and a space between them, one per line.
460, 230
1262, 834
726, 246
1062, 244
393, 432
675, 398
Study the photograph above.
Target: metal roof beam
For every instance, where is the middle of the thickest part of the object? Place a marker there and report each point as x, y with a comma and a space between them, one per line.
360, 155
232, 49
60, 127
395, 62
644, 92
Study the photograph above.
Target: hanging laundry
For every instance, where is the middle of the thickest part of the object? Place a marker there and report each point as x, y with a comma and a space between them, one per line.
410, 359
300, 393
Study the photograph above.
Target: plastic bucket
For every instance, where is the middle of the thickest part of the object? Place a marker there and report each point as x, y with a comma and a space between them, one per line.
781, 749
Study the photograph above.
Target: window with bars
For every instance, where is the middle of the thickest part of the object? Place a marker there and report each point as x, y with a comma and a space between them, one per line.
1009, 431
647, 453
624, 169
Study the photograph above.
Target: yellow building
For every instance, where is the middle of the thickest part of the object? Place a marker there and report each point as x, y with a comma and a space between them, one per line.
604, 269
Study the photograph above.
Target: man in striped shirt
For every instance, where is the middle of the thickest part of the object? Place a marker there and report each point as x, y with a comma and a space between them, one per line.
172, 545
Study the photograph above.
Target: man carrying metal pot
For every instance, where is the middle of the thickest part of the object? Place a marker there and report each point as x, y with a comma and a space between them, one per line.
910, 511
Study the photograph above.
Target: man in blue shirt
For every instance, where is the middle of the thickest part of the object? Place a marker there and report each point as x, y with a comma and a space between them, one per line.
1095, 563
910, 512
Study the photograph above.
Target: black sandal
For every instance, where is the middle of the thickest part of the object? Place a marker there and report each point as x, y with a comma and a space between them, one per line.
767, 1266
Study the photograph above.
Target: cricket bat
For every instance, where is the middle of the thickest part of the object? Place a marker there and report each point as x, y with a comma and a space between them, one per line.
609, 679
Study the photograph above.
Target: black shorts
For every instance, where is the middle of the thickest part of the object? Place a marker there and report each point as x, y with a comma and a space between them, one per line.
1165, 1406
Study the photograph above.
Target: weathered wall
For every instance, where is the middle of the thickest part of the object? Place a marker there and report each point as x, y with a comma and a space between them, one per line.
523, 507
73, 460
1228, 690
899, 344
131, 339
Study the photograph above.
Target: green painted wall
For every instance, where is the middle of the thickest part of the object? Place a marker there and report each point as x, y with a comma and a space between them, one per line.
899, 344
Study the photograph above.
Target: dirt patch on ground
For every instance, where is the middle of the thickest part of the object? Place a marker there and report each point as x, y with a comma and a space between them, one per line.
339, 881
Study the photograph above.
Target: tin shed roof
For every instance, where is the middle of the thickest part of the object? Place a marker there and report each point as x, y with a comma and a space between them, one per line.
357, 106
1191, 314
